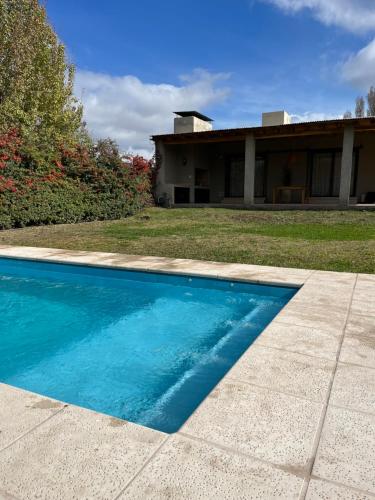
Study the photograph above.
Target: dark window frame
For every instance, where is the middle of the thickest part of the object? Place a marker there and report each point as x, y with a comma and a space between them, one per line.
229, 159
207, 170
333, 152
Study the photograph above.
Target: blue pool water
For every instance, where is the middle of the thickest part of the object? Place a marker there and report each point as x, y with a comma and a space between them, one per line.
143, 347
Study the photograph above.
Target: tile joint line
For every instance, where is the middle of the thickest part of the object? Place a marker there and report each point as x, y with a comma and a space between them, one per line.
325, 407
143, 466
29, 431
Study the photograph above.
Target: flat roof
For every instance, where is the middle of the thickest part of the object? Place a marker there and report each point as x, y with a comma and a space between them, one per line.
293, 129
193, 113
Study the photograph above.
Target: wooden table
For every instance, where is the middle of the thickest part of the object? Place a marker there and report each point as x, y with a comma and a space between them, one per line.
279, 189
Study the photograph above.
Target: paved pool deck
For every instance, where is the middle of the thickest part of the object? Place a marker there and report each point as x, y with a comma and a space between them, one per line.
293, 419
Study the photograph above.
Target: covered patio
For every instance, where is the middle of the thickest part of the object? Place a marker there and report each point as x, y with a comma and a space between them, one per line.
326, 164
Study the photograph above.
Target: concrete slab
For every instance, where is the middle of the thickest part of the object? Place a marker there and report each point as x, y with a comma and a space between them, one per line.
5, 496
291, 373
338, 297
359, 341
321, 490
301, 339
187, 469
333, 277
21, 411
265, 424
323, 318
277, 275
354, 388
363, 304
346, 452
76, 454
365, 280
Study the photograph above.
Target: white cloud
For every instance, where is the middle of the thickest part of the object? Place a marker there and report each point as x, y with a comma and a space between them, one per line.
311, 116
359, 69
357, 16
129, 110
353, 15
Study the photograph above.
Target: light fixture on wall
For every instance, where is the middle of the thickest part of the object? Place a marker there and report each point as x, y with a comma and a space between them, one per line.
184, 161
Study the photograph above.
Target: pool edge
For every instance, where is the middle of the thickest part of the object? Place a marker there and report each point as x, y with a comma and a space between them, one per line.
310, 308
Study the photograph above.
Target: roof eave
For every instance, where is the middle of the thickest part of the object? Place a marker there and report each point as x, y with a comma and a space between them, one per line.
318, 127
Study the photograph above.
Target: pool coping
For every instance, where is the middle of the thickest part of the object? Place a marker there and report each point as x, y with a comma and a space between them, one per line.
282, 413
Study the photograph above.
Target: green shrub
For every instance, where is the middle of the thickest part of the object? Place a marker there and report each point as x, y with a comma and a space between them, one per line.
84, 184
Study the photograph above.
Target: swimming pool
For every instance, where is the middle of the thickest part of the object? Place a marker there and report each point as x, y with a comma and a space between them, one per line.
140, 346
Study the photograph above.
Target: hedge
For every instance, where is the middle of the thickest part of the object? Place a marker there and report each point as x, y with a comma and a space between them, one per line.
82, 184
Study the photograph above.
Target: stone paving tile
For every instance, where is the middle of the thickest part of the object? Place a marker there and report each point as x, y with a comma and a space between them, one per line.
292, 373
364, 293
278, 277
363, 305
354, 388
301, 339
25, 252
132, 262
76, 454
366, 278
187, 469
365, 281
21, 411
230, 269
5, 496
323, 318
364, 298
321, 490
346, 452
359, 341
266, 424
330, 277
181, 266
338, 298
263, 273
189, 266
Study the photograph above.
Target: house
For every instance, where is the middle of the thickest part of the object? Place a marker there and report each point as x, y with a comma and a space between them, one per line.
280, 164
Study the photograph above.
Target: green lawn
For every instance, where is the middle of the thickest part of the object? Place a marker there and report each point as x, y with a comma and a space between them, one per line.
338, 241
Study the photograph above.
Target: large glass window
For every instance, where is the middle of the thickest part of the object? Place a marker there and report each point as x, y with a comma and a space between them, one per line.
326, 174
202, 178
321, 175
260, 177
235, 178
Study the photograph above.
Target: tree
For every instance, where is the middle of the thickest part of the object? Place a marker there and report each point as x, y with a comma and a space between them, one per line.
347, 115
360, 107
36, 81
371, 102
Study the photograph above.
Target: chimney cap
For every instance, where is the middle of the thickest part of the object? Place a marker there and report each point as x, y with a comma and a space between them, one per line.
184, 114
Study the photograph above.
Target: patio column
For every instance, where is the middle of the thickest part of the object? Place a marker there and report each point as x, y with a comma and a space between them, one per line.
250, 159
346, 166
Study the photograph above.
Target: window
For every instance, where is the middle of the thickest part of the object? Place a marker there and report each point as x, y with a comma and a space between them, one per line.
201, 177
235, 177
260, 177
321, 175
325, 174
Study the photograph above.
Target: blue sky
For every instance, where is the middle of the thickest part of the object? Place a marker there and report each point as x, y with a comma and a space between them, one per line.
137, 61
